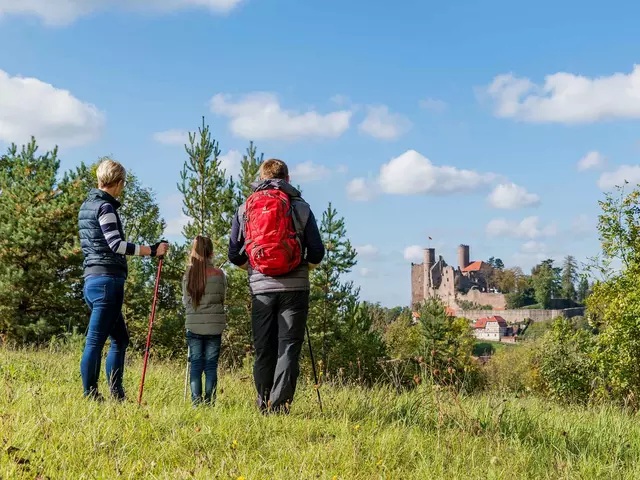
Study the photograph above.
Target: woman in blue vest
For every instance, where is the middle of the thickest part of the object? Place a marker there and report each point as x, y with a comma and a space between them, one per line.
203, 292
105, 270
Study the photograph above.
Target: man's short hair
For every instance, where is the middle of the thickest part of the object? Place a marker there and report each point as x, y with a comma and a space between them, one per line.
273, 169
110, 173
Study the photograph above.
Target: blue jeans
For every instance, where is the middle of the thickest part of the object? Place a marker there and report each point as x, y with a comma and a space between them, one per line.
104, 294
204, 351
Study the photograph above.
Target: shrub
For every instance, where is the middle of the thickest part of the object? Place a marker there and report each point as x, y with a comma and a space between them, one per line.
565, 364
512, 370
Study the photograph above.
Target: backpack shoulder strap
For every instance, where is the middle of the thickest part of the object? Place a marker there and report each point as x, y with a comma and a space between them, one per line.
301, 212
241, 211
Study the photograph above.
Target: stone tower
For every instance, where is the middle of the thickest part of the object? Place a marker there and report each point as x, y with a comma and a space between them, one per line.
429, 261
463, 256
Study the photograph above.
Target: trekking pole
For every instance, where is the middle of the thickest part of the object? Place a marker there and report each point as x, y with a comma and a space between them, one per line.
151, 318
313, 364
186, 373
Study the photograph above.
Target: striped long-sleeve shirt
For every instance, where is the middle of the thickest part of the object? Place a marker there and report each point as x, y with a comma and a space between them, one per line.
109, 226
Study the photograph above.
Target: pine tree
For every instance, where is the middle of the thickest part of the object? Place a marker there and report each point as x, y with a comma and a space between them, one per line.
40, 258
330, 295
546, 282
583, 288
208, 196
569, 276
250, 168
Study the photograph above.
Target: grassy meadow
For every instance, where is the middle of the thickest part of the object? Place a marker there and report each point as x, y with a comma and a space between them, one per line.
48, 431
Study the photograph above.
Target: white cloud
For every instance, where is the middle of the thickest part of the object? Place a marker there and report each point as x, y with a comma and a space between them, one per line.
309, 172
527, 228
259, 115
414, 253
231, 163
582, 225
172, 137
412, 173
63, 12
384, 125
361, 190
175, 225
509, 196
620, 176
531, 253
567, 98
591, 161
533, 247
171, 210
29, 107
433, 104
367, 251
366, 272
341, 100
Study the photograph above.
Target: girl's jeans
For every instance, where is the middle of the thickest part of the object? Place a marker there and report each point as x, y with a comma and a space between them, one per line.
204, 351
104, 294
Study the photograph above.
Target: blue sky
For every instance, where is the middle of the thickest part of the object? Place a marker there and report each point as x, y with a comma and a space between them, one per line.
496, 124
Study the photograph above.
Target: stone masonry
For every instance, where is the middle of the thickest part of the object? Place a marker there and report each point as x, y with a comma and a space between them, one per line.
468, 282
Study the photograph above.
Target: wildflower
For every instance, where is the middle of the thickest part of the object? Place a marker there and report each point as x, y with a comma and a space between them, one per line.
234, 445
449, 360
198, 429
433, 353
240, 477
320, 374
356, 428
450, 370
420, 359
436, 372
379, 464
417, 379
335, 477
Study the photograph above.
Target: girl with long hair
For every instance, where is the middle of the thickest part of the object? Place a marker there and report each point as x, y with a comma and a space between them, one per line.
203, 293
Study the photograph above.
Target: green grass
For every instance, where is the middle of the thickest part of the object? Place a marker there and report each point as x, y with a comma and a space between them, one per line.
48, 431
487, 347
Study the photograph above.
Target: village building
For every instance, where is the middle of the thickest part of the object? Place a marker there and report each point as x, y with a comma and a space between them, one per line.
493, 328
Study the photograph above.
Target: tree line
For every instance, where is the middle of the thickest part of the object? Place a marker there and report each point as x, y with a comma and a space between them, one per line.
545, 283
41, 284
41, 287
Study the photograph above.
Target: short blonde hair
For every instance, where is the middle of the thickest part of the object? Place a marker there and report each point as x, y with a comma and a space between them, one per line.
110, 173
273, 168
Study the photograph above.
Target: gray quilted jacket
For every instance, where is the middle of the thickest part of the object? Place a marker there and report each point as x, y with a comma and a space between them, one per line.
209, 317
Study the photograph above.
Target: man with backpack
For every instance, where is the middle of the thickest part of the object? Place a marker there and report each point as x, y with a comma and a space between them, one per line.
274, 235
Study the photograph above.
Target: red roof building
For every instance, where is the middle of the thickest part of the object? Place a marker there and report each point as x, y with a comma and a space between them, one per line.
482, 322
474, 266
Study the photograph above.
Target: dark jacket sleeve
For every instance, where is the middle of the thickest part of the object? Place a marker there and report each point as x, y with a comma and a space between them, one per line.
236, 254
313, 241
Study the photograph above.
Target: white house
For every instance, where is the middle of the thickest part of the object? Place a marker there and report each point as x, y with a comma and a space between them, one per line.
490, 328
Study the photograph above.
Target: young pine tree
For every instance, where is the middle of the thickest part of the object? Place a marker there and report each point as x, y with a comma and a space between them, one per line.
208, 196
330, 295
569, 277
250, 168
40, 258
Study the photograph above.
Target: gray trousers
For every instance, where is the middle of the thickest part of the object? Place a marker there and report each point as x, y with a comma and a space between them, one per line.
278, 322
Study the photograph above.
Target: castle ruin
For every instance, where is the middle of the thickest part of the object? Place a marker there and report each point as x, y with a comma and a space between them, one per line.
468, 282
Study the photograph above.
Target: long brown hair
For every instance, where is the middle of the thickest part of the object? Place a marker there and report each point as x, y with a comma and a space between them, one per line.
197, 281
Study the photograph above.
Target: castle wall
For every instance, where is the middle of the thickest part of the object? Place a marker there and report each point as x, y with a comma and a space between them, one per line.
496, 300
417, 283
520, 315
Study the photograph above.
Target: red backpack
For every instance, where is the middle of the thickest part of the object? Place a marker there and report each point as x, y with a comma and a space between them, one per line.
270, 237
